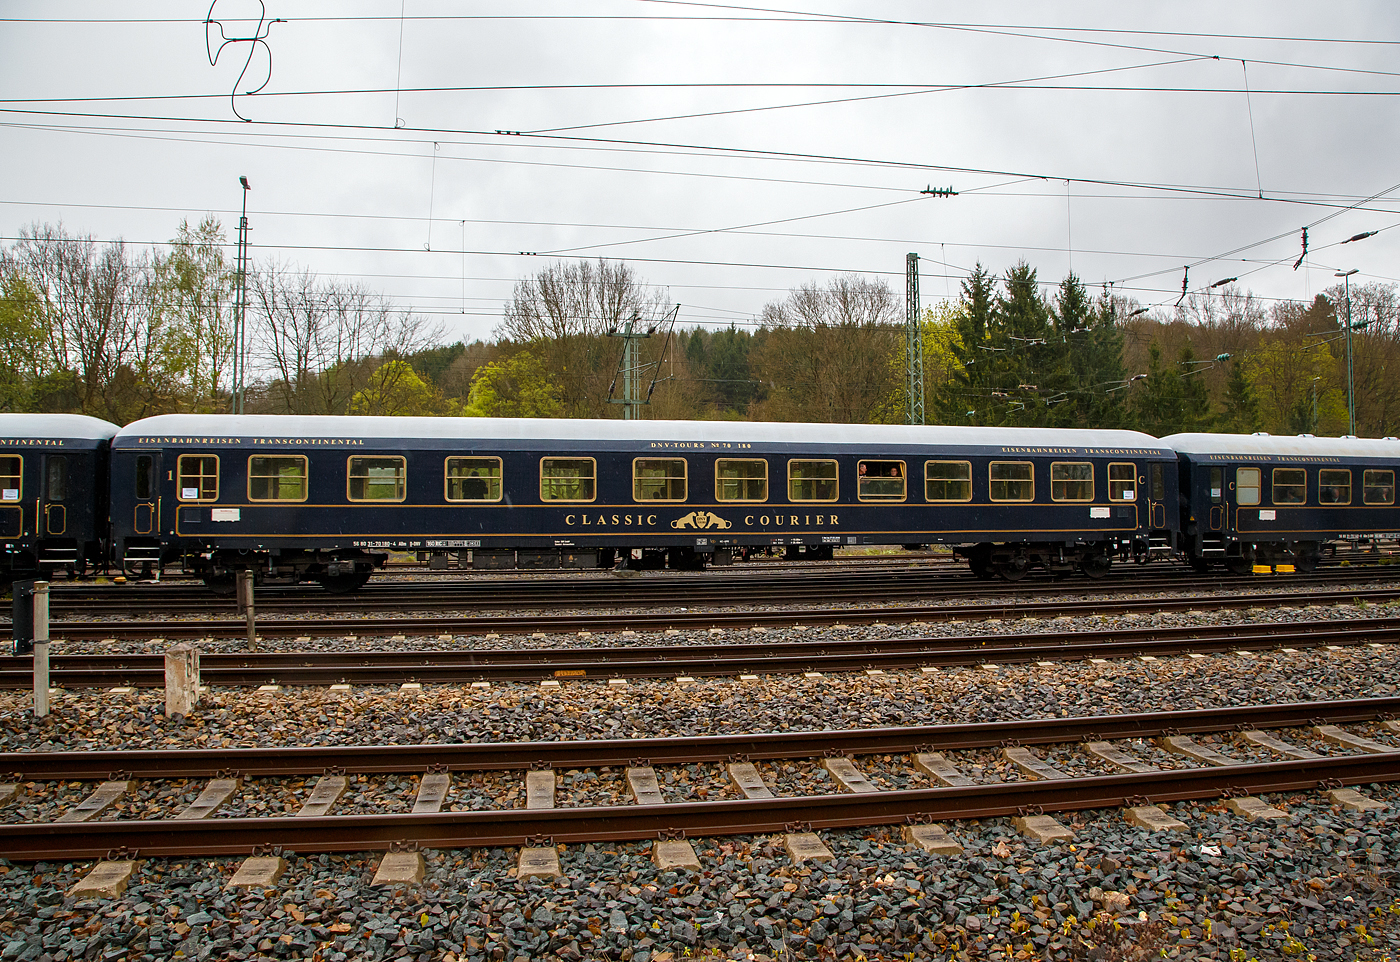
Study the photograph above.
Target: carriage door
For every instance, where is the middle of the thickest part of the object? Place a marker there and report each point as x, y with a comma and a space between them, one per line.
55, 521
1216, 521
1157, 495
147, 483
11, 496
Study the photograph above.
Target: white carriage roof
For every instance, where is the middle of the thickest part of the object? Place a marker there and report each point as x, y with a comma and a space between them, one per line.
76, 426
545, 429
1283, 446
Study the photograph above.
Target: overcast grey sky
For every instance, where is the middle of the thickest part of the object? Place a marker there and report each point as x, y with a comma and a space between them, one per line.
729, 152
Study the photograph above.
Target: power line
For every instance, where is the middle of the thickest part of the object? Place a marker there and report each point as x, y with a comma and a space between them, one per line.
751, 153
791, 18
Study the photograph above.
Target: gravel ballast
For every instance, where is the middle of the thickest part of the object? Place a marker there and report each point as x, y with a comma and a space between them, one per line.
1316, 884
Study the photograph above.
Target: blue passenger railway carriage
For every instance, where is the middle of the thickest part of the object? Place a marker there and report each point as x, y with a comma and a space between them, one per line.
53, 494
325, 499
1250, 499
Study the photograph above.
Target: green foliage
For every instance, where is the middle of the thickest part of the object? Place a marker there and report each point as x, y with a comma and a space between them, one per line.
395, 389
191, 319
514, 387
22, 327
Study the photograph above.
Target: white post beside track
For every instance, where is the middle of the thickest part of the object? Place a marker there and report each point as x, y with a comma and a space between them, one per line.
41, 649
181, 680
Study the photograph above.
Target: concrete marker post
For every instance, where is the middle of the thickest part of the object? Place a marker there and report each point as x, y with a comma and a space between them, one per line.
181, 680
41, 649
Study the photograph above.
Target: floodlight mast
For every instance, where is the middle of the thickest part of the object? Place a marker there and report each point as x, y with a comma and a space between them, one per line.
240, 307
1351, 381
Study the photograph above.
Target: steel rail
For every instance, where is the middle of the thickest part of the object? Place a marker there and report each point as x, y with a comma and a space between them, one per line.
239, 669
692, 620
593, 753
824, 587
242, 836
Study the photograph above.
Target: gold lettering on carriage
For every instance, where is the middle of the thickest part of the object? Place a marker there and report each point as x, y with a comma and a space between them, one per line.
610, 520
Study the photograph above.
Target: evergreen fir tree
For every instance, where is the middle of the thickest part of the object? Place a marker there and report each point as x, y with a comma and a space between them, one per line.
1156, 401
1241, 412
965, 397
1104, 354
1022, 331
1070, 363
1195, 411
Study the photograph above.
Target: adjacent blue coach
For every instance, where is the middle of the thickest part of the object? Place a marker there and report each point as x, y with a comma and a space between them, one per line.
53, 494
1275, 500
325, 499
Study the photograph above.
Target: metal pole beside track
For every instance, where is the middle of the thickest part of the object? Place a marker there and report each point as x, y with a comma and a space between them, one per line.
245, 606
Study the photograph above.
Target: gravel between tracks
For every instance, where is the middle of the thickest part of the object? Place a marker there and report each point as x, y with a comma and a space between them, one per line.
1318, 883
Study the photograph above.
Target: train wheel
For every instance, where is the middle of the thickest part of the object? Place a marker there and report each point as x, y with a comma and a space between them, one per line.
1306, 557
1097, 566
1240, 564
979, 559
1015, 569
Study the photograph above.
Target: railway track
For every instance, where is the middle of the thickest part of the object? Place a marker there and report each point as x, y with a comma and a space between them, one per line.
1184, 767
761, 656
357, 630
753, 588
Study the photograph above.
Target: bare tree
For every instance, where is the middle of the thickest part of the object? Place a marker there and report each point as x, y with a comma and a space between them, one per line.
1375, 318
563, 315
826, 353
98, 329
320, 342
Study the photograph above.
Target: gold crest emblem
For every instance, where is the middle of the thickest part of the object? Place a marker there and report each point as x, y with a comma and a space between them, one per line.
700, 520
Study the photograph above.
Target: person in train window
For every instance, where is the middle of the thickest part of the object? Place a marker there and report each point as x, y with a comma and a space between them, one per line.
474, 487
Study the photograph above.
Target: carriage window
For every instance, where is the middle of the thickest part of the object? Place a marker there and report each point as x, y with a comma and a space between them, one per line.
199, 477
1333, 486
1290, 485
658, 479
1378, 487
811, 480
1217, 483
1122, 482
473, 479
1011, 481
277, 478
1247, 485
144, 464
377, 479
11, 476
741, 480
1159, 483
948, 480
58, 478
1071, 481
567, 479
880, 480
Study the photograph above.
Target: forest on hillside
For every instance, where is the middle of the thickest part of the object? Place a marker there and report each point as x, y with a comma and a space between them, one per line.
121, 333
